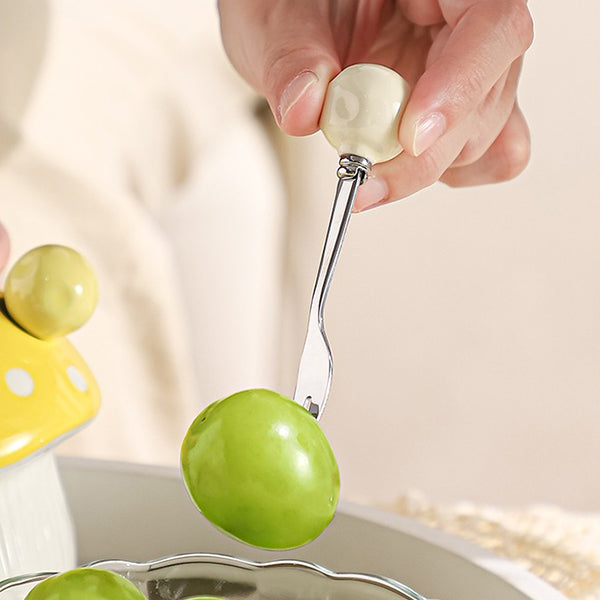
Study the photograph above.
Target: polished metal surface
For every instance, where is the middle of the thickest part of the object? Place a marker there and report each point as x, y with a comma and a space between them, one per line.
230, 578
316, 364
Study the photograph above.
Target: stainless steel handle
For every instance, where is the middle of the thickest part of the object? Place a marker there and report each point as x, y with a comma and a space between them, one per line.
360, 118
316, 365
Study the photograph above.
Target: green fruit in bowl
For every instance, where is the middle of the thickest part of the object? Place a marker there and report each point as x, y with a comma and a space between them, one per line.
88, 584
259, 467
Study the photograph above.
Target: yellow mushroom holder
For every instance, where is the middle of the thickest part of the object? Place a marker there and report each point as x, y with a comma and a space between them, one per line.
46, 390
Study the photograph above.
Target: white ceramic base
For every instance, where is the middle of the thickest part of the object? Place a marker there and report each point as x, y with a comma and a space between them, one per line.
36, 531
141, 513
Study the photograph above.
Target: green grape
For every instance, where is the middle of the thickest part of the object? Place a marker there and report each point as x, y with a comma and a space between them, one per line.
258, 466
88, 584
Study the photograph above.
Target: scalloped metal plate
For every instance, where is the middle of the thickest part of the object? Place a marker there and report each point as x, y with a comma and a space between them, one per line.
188, 575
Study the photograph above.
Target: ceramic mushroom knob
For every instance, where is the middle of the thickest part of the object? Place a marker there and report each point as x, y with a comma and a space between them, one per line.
47, 393
46, 389
362, 112
51, 291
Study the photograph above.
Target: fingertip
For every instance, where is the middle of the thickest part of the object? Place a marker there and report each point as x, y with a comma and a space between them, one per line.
372, 193
300, 104
513, 147
297, 106
426, 132
423, 122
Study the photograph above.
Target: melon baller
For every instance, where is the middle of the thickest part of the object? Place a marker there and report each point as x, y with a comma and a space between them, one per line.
360, 119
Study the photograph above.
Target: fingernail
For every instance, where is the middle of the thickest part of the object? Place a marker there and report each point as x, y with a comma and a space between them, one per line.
294, 90
429, 129
373, 192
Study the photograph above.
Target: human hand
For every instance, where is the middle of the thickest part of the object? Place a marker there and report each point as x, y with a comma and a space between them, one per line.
4, 247
462, 59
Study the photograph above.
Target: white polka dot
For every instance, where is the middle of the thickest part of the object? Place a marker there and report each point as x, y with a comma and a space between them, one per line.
77, 379
19, 382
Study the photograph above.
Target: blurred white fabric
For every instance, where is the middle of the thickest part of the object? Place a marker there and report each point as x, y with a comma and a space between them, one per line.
464, 323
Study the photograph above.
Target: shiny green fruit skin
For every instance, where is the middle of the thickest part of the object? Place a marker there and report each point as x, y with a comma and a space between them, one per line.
258, 466
88, 584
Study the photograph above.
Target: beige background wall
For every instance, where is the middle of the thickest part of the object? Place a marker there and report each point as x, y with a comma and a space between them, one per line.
465, 323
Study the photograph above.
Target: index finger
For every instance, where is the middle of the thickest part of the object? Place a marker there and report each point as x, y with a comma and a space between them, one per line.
486, 37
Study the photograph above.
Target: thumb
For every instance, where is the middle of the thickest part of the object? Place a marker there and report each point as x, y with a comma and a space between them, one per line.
296, 91
286, 52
